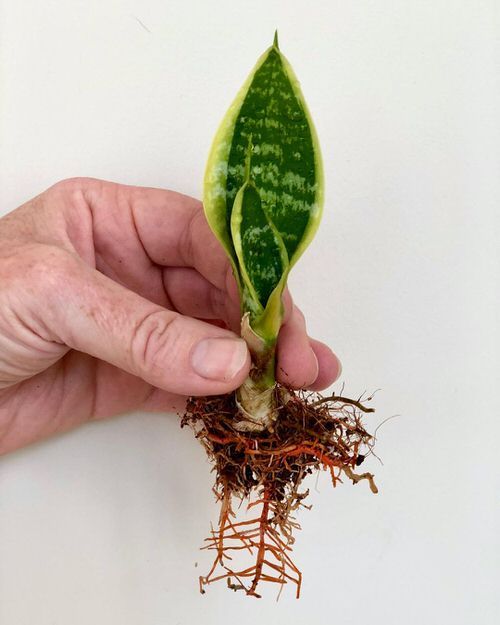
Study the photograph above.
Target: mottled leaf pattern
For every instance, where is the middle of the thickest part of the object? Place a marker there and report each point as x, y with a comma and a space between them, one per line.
283, 158
261, 252
277, 193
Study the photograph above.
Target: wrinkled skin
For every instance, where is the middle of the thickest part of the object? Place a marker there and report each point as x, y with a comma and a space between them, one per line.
105, 292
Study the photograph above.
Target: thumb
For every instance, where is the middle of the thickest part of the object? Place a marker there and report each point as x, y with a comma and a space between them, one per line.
93, 314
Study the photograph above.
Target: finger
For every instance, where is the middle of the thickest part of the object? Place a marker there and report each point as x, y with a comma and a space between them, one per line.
169, 228
330, 367
287, 305
297, 364
193, 295
93, 314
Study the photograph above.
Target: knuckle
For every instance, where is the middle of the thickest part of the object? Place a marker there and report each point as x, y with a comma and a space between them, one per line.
37, 265
49, 267
71, 190
155, 342
70, 184
35, 285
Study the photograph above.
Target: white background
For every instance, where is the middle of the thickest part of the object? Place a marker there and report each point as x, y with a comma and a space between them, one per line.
103, 525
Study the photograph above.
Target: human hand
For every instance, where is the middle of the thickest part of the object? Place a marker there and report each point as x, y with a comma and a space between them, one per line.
115, 298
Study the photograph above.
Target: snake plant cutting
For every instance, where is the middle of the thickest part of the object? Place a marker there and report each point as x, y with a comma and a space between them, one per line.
263, 197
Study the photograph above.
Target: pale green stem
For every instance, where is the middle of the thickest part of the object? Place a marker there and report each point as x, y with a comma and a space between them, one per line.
256, 395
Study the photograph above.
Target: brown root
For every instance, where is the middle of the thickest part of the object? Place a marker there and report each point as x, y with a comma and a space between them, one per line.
310, 433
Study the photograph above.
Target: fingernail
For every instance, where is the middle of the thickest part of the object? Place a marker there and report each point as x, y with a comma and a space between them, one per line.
219, 359
339, 370
315, 358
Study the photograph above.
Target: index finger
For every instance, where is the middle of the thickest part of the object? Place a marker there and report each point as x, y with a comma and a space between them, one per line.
170, 226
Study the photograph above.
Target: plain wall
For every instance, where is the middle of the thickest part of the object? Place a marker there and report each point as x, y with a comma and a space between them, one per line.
103, 525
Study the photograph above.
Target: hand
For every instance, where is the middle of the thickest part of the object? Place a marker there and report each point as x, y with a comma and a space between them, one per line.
117, 298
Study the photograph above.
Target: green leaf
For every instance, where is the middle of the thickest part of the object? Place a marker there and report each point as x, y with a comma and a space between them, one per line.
261, 253
265, 209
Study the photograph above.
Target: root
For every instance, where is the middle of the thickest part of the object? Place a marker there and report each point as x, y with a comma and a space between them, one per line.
311, 433
259, 537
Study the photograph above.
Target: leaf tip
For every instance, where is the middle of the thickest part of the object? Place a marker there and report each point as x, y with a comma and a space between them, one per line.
275, 40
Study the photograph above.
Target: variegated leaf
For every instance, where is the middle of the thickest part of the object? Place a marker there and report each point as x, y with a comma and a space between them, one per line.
261, 252
283, 184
